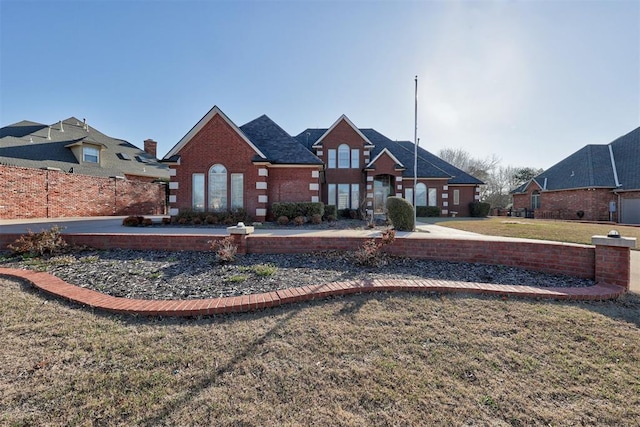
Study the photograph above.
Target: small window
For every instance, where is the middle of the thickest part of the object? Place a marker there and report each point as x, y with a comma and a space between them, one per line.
197, 192
332, 158
456, 197
355, 196
433, 196
343, 196
408, 195
421, 194
343, 156
90, 154
355, 158
237, 191
331, 194
535, 200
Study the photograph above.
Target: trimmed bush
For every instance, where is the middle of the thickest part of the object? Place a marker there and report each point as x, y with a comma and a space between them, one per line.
428, 211
316, 219
146, 222
131, 221
294, 209
400, 213
299, 220
479, 209
331, 210
283, 220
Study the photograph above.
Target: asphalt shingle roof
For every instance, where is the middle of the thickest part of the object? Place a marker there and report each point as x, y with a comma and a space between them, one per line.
276, 144
27, 144
591, 167
429, 165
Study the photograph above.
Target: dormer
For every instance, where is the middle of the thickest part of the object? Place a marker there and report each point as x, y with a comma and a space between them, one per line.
87, 152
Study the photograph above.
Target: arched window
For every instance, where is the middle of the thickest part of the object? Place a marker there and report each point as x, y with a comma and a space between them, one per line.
535, 200
343, 156
421, 194
218, 188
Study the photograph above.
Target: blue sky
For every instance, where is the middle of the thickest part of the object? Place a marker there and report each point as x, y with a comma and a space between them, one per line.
528, 81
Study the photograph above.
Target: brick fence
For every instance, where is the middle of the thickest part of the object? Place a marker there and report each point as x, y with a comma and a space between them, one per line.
38, 193
608, 264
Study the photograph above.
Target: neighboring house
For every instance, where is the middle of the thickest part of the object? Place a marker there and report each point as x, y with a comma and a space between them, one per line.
74, 147
69, 169
600, 182
220, 166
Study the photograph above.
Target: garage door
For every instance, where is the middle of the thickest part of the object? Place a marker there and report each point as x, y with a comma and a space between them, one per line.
630, 211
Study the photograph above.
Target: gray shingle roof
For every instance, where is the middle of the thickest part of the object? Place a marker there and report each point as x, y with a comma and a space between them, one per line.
27, 144
276, 144
429, 165
591, 167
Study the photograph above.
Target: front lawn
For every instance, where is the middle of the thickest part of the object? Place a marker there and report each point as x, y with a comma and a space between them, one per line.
383, 359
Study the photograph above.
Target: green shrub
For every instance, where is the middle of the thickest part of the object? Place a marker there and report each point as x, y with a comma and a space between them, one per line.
283, 220
294, 209
211, 219
146, 222
400, 213
479, 209
331, 210
45, 242
425, 211
316, 219
299, 220
331, 218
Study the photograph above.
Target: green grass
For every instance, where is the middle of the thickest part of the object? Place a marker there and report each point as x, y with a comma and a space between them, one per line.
559, 231
376, 359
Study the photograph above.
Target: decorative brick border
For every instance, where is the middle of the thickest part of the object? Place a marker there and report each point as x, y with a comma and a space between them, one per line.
203, 307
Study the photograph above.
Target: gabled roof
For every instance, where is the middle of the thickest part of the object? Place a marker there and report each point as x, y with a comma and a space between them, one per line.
277, 145
36, 145
215, 111
388, 153
344, 118
615, 165
429, 165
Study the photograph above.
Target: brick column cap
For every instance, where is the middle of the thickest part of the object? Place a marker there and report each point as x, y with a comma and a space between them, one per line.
623, 242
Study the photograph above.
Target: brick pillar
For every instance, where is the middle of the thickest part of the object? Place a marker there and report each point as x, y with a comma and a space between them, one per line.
239, 235
613, 259
150, 147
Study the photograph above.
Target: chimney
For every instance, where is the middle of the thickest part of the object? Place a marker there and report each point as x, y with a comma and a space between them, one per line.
150, 147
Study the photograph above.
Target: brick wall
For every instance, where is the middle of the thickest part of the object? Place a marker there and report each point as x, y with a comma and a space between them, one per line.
603, 263
37, 193
564, 204
293, 184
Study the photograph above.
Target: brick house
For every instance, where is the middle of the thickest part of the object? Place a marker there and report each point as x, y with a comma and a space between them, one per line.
599, 182
220, 166
70, 169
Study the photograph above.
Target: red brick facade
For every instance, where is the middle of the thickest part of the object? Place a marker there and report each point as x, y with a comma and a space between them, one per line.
37, 193
565, 204
218, 142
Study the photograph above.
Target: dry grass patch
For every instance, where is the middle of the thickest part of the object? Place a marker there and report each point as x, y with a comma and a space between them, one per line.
381, 359
559, 231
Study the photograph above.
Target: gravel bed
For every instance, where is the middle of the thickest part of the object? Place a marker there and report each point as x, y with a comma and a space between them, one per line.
163, 275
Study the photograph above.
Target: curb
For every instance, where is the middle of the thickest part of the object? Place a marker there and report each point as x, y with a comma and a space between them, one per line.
237, 304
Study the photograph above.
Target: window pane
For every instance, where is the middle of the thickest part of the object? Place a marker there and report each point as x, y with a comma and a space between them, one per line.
355, 196
355, 158
237, 191
343, 156
197, 192
343, 196
218, 188
421, 194
332, 158
433, 197
408, 195
456, 197
331, 200
90, 154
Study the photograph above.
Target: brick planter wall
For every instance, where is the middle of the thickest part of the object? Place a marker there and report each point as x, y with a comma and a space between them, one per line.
37, 193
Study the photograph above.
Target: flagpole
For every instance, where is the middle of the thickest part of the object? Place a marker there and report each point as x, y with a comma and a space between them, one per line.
415, 156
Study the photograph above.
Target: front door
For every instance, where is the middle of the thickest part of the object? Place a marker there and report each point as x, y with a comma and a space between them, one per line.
381, 190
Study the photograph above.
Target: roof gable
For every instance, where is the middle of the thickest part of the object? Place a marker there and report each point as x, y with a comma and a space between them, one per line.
343, 118
385, 151
626, 153
215, 111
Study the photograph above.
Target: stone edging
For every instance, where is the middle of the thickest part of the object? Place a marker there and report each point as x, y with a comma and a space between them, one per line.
203, 307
